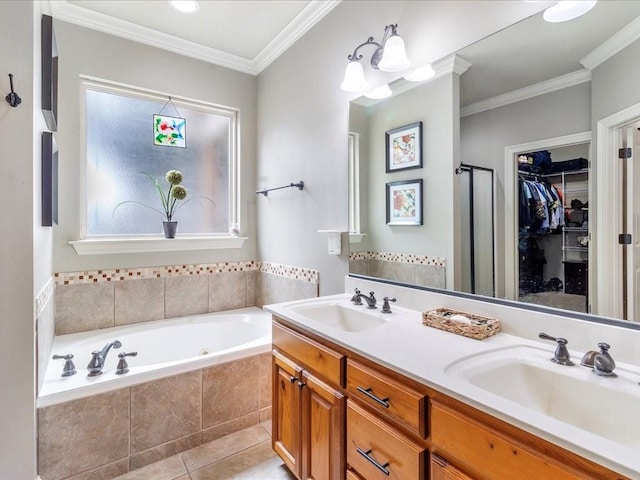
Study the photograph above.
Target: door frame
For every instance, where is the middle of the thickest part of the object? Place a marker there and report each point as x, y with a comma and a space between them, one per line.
608, 260
511, 273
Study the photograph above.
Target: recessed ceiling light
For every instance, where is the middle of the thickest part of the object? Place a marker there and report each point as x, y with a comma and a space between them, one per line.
185, 6
566, 10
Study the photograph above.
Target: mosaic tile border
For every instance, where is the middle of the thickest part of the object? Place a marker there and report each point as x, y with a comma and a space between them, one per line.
44, 296
290, 272
119, 274
399, 257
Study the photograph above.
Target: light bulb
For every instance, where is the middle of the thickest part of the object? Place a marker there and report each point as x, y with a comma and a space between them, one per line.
421, 74
377, 93
354, 80
566, 10
394, 57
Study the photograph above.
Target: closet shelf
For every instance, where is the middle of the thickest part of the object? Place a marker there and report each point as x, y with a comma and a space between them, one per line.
575, 249
576, 229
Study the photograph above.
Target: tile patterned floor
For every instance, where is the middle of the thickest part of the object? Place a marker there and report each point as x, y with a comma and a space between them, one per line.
244, 455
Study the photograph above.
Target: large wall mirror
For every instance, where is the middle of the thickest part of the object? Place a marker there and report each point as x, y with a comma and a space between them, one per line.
521, 194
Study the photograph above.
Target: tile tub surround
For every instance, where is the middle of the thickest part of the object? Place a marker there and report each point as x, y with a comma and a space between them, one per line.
112, 433
106, 298
423, 270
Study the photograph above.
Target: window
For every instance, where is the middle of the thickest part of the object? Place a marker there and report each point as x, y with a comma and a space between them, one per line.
121, 155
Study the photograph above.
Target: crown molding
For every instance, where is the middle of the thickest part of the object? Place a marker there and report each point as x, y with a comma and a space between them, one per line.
622, 39
311, 14
548, 86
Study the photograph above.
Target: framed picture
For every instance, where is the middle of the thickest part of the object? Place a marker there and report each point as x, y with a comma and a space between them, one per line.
404, 147
49, 180
169, 131
49, 52
404, 202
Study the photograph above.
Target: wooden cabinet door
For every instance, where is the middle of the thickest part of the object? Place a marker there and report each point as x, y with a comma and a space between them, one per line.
323, 430
441, 470
286, 419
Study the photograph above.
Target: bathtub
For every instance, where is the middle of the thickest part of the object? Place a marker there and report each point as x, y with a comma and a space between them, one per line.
165, 348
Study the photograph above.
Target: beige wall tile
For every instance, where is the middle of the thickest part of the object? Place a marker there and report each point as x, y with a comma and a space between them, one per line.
106, 472
235, 425
264, 380
165, 410
430, 276
139, 300
78, 436
84, 307
165, 450
186, 295
227, 291
251, 288
272, 288
229, 390
224, 447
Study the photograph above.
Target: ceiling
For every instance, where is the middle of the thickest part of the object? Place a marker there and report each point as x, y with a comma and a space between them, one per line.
245, 35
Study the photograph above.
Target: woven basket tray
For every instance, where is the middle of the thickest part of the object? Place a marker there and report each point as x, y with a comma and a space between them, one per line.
478, 327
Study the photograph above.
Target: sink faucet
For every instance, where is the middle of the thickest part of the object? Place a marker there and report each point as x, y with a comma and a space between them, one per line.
601, 362
96, 363
371, 299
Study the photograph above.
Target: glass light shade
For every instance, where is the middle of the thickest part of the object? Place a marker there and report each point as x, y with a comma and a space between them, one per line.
377, 93
566, 10
421, 74
394, 57
185, 6
353, 77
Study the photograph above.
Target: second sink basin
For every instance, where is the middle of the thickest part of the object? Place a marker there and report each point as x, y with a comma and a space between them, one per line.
342, 317
526, 376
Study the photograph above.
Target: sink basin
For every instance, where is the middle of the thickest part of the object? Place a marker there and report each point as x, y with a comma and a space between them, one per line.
525, 375
341, 317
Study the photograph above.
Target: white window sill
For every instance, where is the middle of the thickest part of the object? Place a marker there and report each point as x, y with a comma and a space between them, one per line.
356, 237
150, 244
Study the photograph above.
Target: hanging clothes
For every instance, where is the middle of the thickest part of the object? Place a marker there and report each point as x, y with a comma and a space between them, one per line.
540, 207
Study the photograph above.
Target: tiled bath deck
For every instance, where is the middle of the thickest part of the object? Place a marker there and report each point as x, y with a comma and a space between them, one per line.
243, 455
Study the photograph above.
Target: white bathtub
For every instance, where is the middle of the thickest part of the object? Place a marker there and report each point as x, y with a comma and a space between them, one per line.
165, 347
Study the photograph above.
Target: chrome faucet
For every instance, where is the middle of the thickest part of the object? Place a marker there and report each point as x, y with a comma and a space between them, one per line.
96, 364
561, 355
371, 299
355, 299
601, 362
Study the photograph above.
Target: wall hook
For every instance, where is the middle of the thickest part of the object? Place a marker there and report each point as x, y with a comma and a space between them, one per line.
13, 98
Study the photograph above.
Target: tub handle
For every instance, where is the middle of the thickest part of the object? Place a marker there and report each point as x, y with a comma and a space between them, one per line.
122, 363
69, 368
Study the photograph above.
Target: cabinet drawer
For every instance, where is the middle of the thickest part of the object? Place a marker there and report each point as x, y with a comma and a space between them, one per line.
487, 452
323, 361
387, 396
378, 451
352, 476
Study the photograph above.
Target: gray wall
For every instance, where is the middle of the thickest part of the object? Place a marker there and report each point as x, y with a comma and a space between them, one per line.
21, 239
484, 136
88, 52
303, 116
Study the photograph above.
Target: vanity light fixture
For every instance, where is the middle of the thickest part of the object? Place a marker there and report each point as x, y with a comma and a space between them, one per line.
185, 6
566, 10
389, 56
377, 93
421, 74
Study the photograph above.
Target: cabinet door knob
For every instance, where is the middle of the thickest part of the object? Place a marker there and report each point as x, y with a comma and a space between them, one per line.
301, 384
292, 379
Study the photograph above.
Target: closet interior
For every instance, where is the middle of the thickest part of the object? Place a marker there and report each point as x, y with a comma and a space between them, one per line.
553, 227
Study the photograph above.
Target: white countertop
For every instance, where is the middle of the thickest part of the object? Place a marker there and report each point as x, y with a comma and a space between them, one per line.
423, 354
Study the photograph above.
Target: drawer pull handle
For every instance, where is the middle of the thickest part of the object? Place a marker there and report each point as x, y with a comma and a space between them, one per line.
382, 468
382, 401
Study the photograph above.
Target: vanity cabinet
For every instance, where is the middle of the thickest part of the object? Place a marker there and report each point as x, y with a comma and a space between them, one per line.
308, 406
393, 427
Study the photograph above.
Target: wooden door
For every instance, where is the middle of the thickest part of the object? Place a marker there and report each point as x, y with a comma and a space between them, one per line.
441, 470
323, 430
286, 420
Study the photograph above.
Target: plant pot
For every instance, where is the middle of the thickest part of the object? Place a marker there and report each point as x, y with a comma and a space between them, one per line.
170, 229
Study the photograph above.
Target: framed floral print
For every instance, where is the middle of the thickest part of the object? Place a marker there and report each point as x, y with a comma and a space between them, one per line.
404, 147
404, 202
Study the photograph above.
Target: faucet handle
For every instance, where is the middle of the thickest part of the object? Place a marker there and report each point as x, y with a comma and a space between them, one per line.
122, 363
603, 363
69, 368
356, 297
561, 355
385, 304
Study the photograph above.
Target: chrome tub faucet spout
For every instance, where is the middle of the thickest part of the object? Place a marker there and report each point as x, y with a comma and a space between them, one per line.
96, 364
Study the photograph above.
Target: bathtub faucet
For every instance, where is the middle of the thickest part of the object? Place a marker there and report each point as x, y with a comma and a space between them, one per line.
99, 356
